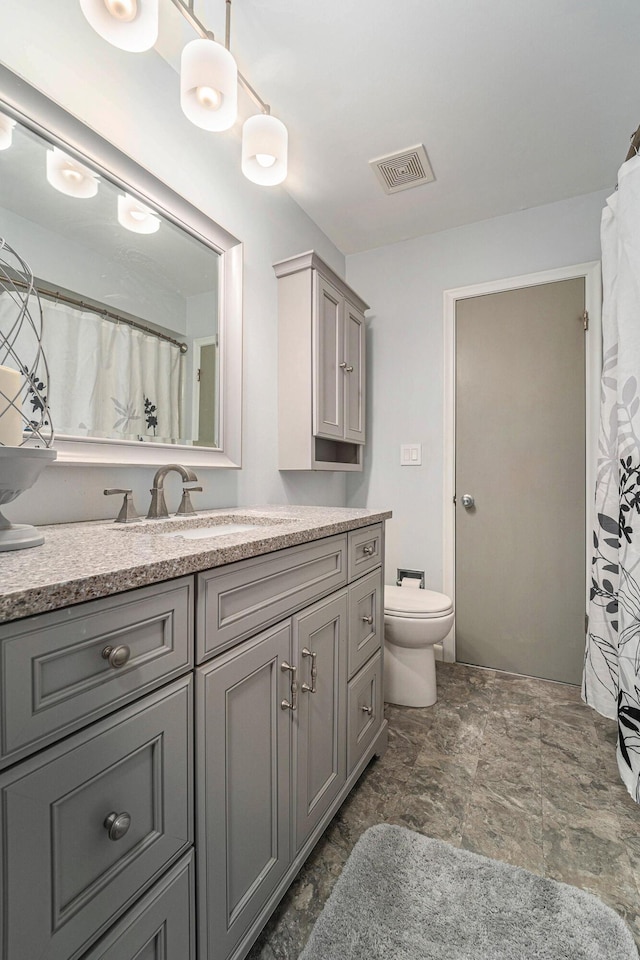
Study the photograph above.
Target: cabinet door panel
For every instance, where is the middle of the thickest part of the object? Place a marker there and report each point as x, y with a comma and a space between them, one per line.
365, 710
66, 877
54, 678
328, 347
354, 400
160, 926
320, 723
366, 619
243, 786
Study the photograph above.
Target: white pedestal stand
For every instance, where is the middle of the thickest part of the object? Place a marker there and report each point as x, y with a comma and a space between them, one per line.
20, 467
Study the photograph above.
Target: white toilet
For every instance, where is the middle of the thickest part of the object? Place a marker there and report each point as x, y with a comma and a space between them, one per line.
414, 620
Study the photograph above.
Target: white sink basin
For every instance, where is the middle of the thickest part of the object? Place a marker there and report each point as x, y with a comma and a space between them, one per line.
206, 526
218, 530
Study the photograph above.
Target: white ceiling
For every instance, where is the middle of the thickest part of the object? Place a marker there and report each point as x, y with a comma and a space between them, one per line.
518, 102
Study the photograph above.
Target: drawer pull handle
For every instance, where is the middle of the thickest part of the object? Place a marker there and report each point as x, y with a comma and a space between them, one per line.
117, 824
367, 710
368, 550
314, 670
293, 703
367, 619
117, 656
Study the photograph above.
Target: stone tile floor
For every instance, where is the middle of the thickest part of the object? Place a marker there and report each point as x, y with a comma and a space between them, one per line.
510, 767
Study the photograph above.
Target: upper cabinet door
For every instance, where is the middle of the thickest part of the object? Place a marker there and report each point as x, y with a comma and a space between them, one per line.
354, 379
328, 354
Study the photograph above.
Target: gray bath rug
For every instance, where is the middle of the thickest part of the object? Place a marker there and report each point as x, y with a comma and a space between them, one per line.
402, 896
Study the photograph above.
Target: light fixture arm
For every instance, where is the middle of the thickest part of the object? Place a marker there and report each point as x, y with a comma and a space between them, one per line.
185, 7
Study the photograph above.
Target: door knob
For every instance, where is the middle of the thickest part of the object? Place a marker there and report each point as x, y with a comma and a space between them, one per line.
468, 501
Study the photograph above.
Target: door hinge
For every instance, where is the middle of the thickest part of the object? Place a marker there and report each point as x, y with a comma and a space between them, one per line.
586, 623
454, 499
198, 372
585, 319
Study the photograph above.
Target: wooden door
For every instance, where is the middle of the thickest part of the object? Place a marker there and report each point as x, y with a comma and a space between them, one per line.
328, 348
520, 453
243, 782
354, 378
320, 645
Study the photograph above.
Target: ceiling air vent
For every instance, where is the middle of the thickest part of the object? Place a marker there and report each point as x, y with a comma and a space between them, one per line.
400, 171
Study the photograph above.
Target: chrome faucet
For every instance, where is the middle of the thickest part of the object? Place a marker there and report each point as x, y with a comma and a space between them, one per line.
158, 507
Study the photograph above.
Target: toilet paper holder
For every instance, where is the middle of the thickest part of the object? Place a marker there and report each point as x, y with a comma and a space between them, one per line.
410, 575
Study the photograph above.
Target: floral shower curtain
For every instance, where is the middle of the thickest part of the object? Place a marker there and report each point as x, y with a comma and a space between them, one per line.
108, 379
612, 661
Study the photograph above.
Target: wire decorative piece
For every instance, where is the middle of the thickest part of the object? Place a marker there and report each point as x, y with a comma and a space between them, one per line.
21, 349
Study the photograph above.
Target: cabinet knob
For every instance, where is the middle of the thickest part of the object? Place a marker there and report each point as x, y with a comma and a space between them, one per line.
117, 824
367, 710
367, 619
368, 550
117, 656
346, 367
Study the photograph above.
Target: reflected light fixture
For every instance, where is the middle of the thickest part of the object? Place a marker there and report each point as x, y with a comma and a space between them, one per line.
264, 150
136, 216
209, 80
70, 176
6, 131
127, 24
209, 85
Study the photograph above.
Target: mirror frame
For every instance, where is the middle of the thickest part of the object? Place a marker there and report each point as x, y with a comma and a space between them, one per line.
34, 110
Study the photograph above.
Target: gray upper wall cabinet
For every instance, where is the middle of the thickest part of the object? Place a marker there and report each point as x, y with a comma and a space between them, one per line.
321, 368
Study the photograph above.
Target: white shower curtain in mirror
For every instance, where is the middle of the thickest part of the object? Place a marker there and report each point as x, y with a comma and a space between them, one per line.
108, 379
612, 662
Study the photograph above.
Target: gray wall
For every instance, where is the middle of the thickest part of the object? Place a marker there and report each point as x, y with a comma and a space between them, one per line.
405, 284
133, 100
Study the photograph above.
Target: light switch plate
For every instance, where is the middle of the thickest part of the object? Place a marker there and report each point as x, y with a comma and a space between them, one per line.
411, 454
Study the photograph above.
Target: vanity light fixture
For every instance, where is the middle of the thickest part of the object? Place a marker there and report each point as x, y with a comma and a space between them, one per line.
209, 85
6, 131
264, 149
127, 24
209, 80
136, 216
70, 176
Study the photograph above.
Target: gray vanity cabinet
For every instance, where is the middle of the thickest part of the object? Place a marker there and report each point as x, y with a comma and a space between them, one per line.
243, 792
319, 752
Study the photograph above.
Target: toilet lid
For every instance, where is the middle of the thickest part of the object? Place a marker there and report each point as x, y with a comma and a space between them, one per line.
412, 602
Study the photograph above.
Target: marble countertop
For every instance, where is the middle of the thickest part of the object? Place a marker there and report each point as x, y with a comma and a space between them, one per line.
84, 561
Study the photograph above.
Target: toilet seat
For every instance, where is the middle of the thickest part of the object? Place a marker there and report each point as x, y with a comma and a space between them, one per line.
416, 604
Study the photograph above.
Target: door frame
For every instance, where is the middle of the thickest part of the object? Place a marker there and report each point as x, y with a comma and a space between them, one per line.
591, 273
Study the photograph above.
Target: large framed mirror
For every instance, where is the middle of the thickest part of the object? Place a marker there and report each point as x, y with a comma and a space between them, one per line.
141, 294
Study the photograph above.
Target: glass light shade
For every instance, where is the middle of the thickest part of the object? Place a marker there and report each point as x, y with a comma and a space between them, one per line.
69, 176
264, 150
128, 24
209, 85
6, 131
136, 216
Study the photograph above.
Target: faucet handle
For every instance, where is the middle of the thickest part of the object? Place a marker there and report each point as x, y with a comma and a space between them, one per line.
186, 507
128, 511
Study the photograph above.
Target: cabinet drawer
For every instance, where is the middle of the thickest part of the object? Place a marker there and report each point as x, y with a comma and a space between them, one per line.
365, 550
159, 927
365, 710
366, 619
66, 879
238, 601
54, 678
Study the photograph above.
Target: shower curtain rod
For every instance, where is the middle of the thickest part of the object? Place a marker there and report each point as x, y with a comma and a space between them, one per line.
102, 311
